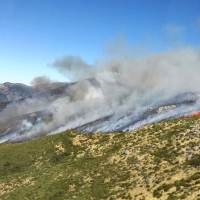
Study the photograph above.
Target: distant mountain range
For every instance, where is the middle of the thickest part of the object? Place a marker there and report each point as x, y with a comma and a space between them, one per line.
11, 91
15, 91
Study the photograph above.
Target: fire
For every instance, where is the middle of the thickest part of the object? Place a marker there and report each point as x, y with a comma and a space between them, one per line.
194, 115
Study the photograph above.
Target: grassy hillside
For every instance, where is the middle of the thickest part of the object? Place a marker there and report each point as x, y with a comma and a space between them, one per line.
159, 161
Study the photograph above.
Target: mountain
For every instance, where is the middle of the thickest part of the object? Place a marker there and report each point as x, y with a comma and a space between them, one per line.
3, 97
40, 88
15, 91
157, 161
12, 91
18, 93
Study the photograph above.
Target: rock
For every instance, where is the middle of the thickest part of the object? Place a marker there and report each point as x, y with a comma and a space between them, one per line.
190, 151
136, 165
189, 158
148, 180
196, 148
193, 133
126, 152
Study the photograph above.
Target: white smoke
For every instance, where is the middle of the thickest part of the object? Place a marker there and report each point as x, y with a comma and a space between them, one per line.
119, 86
28, 106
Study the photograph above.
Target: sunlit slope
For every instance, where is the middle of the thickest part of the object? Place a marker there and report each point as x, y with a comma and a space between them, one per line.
159, 161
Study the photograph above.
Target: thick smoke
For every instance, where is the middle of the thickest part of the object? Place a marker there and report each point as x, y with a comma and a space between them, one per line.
73, 67
41, 80
28, 106
164, 71
121, 89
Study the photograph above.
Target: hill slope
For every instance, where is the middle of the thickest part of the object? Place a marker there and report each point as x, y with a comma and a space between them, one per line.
159, 161
11, 91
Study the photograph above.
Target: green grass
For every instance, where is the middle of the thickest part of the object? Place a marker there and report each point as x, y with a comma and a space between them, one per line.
97, 168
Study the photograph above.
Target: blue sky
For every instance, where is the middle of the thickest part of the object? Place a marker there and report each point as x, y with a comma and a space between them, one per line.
34, 33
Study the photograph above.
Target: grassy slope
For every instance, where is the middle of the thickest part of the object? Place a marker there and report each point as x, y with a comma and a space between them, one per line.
159, 164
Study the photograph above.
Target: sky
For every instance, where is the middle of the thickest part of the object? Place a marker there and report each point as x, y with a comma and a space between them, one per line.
33, 33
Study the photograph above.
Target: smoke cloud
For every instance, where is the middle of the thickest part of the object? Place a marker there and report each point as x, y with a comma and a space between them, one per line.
73, 67
119, 91
41, 80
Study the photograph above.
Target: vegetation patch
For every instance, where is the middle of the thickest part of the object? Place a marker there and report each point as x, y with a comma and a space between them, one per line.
158, 161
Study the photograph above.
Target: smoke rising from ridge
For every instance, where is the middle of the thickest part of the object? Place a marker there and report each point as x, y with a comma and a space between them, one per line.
121, 89
154, 70
41, 80
73, 67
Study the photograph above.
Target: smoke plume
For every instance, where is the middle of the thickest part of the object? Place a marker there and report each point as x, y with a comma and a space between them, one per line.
73, 67
41, 80
116, 94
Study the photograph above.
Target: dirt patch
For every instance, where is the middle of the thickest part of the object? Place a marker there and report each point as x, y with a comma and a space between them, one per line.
9, 187
59, 147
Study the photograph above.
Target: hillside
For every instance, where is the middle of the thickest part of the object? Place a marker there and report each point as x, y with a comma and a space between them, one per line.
158, 161
17, 92
12, 91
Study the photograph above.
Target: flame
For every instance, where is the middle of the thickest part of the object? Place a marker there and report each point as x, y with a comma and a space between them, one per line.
194, 115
